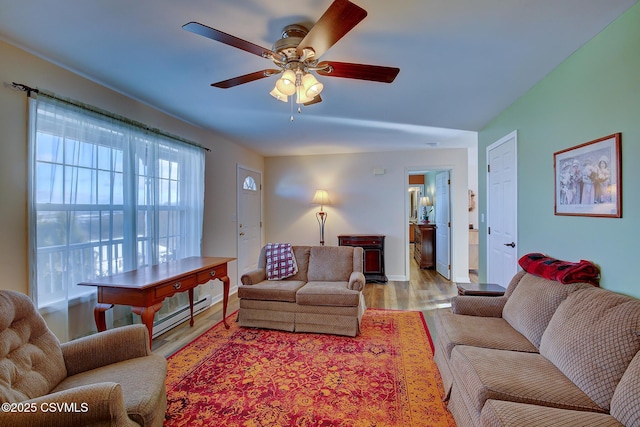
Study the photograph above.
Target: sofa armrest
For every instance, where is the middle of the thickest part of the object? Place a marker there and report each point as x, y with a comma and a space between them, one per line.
357, 281
254, 276
106, 348
95, 404
472, 305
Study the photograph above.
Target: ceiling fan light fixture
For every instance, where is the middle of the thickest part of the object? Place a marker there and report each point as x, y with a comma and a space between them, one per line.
297, 52
312, 87
278, 95
287, 83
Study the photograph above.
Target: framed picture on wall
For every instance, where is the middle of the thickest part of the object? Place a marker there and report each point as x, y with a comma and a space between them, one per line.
588, 179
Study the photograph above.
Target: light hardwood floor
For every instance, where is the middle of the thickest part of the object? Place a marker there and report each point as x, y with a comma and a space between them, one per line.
425, 291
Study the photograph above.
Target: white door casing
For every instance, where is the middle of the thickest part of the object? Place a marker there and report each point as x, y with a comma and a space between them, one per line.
502, 205
443, 224
249, 219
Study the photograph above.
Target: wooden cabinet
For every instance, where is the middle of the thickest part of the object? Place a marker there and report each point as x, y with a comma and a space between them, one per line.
424, 242
373, 245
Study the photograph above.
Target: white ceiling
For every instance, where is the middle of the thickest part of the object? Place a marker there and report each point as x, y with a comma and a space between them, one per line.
461, 63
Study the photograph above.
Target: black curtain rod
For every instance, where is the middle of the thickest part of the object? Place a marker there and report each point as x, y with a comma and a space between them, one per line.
30, 90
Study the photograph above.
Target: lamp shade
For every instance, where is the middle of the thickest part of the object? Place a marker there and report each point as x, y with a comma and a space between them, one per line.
321, 198
425, 201
287, 83
312, 87
278, 95
301, 98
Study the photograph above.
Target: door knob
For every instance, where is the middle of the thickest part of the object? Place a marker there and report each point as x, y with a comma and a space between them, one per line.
242, 234
512, 244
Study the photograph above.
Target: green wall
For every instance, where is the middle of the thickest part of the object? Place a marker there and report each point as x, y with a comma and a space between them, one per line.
594, 93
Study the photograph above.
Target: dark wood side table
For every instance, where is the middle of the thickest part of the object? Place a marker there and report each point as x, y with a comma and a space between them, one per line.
145, 288
373, 246
480, 289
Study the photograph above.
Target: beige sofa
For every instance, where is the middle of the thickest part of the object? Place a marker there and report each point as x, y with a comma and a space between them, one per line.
107, 379
544, 354
324, 296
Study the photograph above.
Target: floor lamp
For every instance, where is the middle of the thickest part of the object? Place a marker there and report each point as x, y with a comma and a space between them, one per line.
321, 198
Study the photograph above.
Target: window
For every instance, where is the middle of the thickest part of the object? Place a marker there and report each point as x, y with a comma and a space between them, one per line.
249, 184
106, 197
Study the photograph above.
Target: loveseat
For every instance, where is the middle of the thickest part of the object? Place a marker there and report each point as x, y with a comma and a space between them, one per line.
324, 295
107, 379
545, 354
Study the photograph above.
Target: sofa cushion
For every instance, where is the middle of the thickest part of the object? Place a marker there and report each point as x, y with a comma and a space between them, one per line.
271, 290
457, 329
626, 398
140, 387
484, 373
302, 259
533, 302
335, 294
592, 337
330, 263
512, 414
31, 361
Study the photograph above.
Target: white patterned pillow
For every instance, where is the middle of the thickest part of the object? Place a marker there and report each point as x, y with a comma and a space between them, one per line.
281, 263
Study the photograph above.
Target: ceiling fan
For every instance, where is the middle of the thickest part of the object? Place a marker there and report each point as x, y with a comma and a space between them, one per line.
297, 54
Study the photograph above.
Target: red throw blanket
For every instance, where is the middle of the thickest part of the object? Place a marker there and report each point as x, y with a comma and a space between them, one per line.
561, 271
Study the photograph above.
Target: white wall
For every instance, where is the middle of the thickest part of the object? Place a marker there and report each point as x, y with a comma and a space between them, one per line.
473, 183
361, 201
592, 94
219, 235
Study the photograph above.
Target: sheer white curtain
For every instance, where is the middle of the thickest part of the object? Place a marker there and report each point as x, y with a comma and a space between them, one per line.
106, 196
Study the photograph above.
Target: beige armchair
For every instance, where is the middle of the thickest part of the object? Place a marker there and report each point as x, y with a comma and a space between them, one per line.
107, 379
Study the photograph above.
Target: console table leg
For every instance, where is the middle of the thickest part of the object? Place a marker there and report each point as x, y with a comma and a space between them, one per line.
225, 299
98, 314
191, 306
147, 313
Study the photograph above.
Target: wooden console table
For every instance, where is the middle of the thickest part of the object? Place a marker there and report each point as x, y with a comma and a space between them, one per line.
145, 288
373, 246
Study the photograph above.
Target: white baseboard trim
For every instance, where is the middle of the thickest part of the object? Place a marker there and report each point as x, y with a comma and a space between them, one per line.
180, 316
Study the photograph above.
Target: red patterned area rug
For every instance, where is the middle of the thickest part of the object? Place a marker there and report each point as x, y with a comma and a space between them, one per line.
386, 376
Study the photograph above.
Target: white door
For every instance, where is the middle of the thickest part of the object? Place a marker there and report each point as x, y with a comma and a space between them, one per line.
502, 203
249, 219
443, 225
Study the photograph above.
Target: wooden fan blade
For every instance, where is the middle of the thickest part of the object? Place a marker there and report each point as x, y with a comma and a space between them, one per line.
226, 84
313, 101
374, 73
337, 21
228, 39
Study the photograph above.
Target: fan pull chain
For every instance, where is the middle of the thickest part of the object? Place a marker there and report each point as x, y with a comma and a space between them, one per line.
291, 107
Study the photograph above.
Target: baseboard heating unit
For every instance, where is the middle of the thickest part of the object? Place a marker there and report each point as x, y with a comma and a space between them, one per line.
180, 315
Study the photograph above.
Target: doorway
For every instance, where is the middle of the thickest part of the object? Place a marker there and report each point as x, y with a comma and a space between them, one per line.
428, 203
